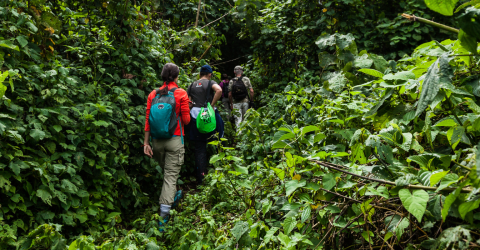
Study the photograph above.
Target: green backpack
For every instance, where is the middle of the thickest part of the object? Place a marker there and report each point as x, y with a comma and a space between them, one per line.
206, 121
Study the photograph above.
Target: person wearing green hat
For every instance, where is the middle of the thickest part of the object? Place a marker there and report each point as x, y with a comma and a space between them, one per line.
198, 92
240, 93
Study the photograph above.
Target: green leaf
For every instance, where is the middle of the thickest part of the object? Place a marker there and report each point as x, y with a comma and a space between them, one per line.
37, 134
284, 239
329, 181
281, 144
9, 44
22, 41
468, 42
446, 123
466, 207
403, 75
51, 146
289, 224
241, 169
454, 135
57, 128
309, 129
266, 207
240, 228
444, 7
372, 72
215, 158
292, 185
368, 236
448, 180
469, 3
396, 224
440, 73
415, 202
269, 235
449, 201
45, 196
469, 22
32, 27
318, 137
306, 213
437, 177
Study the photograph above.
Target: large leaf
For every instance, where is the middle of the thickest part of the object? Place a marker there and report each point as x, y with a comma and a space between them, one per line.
269, 235
292, 185
437, 177
466, 207
9, 44
37, 134
468, 42
329, 181
415, 202
444, 7
396, 224
449, 201
289, 224
469, 22
372, 72
439, 73
404, 75
45, 196
240, 228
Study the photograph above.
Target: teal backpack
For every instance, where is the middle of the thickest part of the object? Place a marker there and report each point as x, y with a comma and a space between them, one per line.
163, 117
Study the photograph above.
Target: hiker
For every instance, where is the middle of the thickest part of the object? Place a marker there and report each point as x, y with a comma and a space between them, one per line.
240, 93
167, 134
201, 93
226, 102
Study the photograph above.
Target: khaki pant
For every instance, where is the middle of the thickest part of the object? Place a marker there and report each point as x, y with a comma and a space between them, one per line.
169, 154
239, 110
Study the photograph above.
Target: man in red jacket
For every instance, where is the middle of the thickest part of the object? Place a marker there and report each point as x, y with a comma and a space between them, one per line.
169, 153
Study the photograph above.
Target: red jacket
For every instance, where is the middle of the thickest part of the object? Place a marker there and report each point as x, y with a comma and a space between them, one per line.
181, 107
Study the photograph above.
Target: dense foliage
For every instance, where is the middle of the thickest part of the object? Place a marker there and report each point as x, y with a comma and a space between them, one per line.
75, 79
368, 135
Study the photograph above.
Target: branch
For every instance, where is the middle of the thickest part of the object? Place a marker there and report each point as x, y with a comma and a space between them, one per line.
432, 23
333, 166
216, 20
198, 12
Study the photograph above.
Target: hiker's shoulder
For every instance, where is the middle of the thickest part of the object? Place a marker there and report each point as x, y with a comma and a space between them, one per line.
180, 91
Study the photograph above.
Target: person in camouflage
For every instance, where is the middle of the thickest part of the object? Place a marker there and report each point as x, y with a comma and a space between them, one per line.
240, 107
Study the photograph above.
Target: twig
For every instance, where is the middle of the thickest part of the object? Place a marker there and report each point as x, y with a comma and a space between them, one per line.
335, 167
215, 20
348, 198
432, 23
231, 61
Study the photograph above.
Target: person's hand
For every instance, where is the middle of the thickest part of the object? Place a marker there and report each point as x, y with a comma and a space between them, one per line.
147, 149
231, 106
213, 107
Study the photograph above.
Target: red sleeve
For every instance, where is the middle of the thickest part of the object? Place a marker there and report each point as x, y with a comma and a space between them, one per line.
184, 108
149, 104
